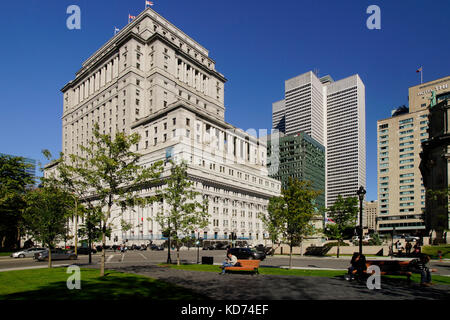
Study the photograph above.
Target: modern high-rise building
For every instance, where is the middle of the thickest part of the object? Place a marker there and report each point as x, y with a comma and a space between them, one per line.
401, 193
298, 156
332, 113
153, 79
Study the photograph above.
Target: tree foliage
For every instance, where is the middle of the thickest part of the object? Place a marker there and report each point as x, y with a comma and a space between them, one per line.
108, 175
15, 181
344, 212
185, 213
46, 215
290, 216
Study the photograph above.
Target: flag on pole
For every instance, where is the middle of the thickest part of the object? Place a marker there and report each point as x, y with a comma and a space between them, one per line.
421, 74
130, 17
148, 3
116, 30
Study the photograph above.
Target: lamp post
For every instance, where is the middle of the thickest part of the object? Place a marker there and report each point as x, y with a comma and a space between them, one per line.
361, 192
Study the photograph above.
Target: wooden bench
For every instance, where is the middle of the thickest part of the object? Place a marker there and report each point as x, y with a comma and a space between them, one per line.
245, 265
392, 267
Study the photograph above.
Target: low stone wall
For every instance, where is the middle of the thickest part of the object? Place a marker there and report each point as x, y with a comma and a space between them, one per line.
284, 249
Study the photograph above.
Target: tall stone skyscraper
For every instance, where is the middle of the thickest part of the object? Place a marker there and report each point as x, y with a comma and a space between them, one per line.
333, 113
153, 79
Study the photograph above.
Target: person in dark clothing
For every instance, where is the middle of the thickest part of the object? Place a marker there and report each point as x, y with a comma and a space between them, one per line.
408, 248
358, 266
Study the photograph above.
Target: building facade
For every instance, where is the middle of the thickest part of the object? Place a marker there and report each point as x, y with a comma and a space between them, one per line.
153, 79
434, 166
299, 156
332, 113
401, 192
370, 215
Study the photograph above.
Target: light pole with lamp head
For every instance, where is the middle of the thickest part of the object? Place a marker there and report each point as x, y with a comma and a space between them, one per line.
361, 192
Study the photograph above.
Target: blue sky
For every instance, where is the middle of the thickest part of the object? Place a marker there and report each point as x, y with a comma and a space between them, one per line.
256, 45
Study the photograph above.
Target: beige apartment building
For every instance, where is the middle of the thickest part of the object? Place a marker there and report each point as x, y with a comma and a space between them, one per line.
370, 215
401, 194
153, 79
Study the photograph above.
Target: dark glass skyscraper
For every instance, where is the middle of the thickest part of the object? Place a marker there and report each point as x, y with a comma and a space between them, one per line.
298, 156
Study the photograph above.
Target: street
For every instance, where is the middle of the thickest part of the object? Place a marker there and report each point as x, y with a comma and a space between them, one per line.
130, 258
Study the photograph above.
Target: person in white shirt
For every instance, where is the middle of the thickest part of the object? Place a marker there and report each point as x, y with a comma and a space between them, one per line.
229, 262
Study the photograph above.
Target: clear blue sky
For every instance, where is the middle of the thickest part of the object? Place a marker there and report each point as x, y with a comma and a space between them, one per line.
256, 44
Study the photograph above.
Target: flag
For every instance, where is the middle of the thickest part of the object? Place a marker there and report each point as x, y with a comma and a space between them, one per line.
418, 70
131, 17
328, 220
116, 30
148, 3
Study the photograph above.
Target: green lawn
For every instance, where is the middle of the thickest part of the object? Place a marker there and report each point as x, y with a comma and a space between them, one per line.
301, 272
5, 254
432, 251
50, 284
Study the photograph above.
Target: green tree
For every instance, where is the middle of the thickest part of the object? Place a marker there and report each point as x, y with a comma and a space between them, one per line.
291, 214
14, 184
344, 212
186, 213
45, 217
273, 222
108, 176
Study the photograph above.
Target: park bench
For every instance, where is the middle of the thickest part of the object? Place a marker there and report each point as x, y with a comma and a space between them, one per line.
392, 267
245, 265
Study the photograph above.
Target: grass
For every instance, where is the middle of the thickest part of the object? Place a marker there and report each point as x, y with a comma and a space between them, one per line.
5, 254
50, 284
263, 270
301, 272
432, 251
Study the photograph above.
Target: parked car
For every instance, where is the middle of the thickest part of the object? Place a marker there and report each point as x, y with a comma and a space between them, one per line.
411, 238
85, 250
155, 247
27, 253
57, 254
247, 254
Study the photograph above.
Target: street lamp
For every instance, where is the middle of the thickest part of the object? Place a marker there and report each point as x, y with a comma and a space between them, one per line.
361, 192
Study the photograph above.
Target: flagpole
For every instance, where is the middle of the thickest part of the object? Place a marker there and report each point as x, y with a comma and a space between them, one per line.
421, 76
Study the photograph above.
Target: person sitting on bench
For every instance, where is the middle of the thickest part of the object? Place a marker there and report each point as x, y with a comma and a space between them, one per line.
358, 264
229, 262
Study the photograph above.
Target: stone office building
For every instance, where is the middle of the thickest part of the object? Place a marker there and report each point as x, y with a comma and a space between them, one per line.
153, 79
434, 166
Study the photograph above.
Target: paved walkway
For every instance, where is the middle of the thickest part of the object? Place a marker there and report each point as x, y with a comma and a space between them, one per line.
272, 287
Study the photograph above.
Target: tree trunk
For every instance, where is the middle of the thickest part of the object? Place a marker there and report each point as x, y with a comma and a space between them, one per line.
102, 263
290, 255
301, 248
339, 243
178, 255
49, 256
76, 227
3, 242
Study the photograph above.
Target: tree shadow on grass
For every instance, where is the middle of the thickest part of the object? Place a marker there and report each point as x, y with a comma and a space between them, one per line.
109, 288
